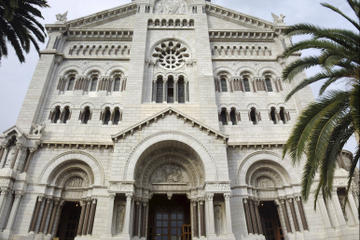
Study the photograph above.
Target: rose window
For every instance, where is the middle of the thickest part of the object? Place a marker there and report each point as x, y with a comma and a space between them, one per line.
171, 54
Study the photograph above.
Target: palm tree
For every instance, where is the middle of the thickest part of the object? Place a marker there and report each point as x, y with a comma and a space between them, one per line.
19, 26
325, 125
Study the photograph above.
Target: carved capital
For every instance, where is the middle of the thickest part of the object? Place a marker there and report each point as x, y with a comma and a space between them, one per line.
227, 196
209, 196
129, 196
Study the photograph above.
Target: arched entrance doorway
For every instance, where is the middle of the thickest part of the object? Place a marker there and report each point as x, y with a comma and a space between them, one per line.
168, 175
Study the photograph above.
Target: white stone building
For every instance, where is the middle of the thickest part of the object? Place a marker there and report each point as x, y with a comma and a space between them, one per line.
162, 119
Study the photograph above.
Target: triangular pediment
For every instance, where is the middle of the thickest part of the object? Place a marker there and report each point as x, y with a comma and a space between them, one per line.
163, 114
223, 18
13, 130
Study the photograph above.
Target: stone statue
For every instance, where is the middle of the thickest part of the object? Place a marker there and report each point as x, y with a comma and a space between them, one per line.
61, 18
38, 128
278, 20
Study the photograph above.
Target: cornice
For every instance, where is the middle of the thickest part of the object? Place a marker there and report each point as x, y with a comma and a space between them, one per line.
255, 145
76, 145
242, 35
168, 111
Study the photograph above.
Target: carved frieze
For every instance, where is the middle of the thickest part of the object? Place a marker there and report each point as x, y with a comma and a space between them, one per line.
217, 187
170, 7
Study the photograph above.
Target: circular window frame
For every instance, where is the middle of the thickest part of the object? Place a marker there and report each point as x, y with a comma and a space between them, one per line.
171, 54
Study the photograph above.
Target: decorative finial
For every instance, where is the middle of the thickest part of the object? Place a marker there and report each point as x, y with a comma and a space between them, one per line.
61, 18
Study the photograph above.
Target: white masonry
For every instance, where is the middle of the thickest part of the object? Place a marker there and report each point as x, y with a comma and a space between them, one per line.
175, 98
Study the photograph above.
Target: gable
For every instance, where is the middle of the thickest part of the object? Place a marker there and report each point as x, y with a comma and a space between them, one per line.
216, 22
118, 22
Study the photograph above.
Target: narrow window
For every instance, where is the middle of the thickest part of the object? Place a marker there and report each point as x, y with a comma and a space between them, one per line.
223, 116
86, 115
223, 85
65, 115
268, 84
55, 115
253, 115
273, 115
159, 90
117, 116
117, 84
71, 83
282, 113
170, 90
233, 116
246, 84
106, 116
93, 84
181, 90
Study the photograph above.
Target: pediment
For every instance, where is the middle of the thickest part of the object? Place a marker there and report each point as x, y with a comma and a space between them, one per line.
102, 19
13, 130
223, 18
163, 114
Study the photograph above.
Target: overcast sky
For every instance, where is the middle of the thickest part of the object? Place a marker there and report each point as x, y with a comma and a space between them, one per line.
15, 77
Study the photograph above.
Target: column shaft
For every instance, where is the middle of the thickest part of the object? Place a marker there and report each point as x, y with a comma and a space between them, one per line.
92, 216
293, 214
3, 195
302, 214
354, 209
324, 212
127, 214
258, 220
81, 220
228, 213
44, 216
13, 212
338, 209
253, 217
86, 218
53, 217
57, 218
27, 161
247, 216
139, 220
286, 216
35, 215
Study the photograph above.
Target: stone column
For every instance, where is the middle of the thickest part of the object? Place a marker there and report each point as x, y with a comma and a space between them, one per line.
35, 214
281, 218
228, 213
145, 220
28, 159
194, 220
331, 211
324, 212
53, 217
13, 212
86, 217
210, 202
353, 208
290, 202
202, 227
3, 157
44, 216
247, 216
338, 209
3, 195
140, 207
81, 220
16, 161
126, 227
301, 213
110, 215
284, 212
57, 218
258, 220
253, 216
92, 216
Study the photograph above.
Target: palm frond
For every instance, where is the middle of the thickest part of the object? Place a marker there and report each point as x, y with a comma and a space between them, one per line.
335, 9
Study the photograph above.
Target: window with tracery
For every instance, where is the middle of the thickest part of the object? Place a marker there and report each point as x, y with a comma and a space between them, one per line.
171, 54
170, 90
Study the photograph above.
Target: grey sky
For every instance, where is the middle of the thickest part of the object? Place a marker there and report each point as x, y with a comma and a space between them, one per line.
15, 77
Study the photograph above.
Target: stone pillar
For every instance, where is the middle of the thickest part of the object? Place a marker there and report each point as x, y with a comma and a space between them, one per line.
126, 227
45, 216
331, 211
258, 220
281, 217
291, 207
145, 220
92, 216
210, 203
300, 208
110, 215
57, 218
53, 217
247, 216
228, 213
202, 228
16, 157
324, 212
140, 209
28, 160
353, 208
298, 214
3, 195
13, 212
86, 217
338, 209
253, 216
20, 155
81, 220
284, 212
3, 157
35, 214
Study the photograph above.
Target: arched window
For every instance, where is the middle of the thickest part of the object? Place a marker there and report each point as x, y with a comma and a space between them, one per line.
254, 116
273, 116
223, 84
93, 83
268, 84
170, 90
159, 90
116, 116
85, 115
181, 90
117, 82
233, 116
71, 83
223, 116
65, 115
55, 115
284, 116
106, 116
246, 84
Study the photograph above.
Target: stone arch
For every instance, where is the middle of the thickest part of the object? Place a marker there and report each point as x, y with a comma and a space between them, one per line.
73, 158
269, 159
210, 170
64, 70
245, 70
110, 71
262, 71
93, 68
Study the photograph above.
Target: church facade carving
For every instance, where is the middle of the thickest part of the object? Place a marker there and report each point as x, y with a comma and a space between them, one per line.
163, 119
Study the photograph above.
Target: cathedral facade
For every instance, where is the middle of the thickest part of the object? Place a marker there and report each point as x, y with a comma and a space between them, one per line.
163, 119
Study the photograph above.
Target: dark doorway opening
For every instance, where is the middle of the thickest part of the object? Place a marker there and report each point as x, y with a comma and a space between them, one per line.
270, 221
169, 219
69, 221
